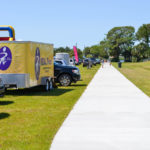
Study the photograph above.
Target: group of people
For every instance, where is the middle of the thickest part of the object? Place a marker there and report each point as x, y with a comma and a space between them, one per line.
103, 61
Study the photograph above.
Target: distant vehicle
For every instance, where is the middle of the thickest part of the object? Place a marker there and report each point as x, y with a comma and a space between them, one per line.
65, 75
2, 88
93, 61
80, 61
63, 56
98, 61
86, 62
60, 62
76, 63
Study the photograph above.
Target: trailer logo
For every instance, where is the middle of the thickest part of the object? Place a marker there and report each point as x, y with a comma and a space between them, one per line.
37, 63
5, 58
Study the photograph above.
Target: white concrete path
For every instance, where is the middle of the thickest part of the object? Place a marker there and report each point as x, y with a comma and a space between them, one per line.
112, 114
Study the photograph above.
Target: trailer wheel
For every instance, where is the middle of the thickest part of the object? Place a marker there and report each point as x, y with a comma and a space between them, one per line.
2, 94
50, 85
47, 86
65, 80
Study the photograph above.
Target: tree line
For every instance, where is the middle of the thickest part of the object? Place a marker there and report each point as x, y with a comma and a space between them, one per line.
119, 42
123, 42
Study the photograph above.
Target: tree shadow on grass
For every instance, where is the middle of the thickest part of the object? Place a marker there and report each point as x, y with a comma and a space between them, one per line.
4, 115
6, 102
37, 92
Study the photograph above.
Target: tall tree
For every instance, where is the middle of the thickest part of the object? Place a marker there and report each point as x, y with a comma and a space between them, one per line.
104, 49
140, 51
62, 50
80, 53
58, 50
95, 50
68, 50
143, 33
121, 39
86, 51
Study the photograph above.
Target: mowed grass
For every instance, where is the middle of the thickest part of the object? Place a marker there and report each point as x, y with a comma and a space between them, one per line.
29, 119
138, 73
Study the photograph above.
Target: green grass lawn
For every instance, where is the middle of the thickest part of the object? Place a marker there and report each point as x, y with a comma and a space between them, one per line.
138, 73
29, 119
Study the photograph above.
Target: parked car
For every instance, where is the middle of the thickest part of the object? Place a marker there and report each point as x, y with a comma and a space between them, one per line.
65, 75
76, 63
2, 88
93, 61
98, 61
60, 62
79, 62
86, 62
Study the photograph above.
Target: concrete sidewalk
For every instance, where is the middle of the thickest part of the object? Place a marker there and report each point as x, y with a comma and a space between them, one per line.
112, 114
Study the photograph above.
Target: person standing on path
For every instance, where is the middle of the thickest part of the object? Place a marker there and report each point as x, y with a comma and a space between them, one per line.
109, 61
102, 63
89, 64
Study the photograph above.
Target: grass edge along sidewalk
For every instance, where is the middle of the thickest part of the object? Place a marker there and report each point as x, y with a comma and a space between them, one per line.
29, 119
138, 74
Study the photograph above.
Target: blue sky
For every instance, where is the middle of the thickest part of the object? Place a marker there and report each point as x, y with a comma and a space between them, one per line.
67, 22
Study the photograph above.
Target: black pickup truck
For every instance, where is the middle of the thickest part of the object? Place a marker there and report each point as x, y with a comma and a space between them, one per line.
65, 75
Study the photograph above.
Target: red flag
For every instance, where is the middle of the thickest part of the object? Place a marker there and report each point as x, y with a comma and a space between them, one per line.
75, 53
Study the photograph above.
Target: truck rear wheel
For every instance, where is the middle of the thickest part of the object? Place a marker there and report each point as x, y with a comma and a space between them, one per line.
65, 80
